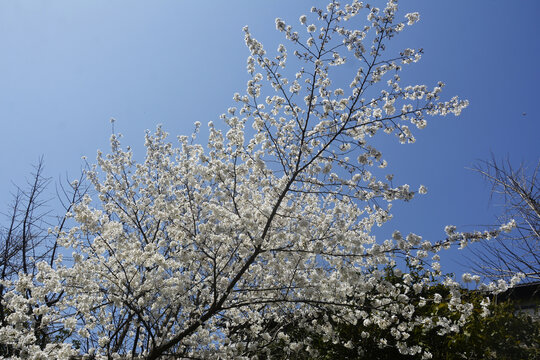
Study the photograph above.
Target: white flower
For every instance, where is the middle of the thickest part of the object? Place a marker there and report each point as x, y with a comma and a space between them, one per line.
311, 28
280, 24
508, 226
104, 340
516, 279
303, 19
450, 230
412, 18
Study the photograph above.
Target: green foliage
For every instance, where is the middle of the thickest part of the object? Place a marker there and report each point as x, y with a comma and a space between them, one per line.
504, 334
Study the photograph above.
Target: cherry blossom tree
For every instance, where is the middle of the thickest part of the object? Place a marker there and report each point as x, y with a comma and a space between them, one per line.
270, 221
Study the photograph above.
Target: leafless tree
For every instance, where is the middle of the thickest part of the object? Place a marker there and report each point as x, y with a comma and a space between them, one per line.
25, 239
518, 251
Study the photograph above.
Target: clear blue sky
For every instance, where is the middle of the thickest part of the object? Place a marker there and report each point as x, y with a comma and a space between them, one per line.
67, 67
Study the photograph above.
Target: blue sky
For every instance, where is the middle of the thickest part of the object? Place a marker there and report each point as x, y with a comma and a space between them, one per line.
68, 66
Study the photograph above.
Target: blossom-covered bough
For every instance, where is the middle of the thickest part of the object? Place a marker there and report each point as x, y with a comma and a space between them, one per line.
207, 252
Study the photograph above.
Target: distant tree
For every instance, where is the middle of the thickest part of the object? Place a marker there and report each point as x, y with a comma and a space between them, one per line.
518, 192
272, 220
